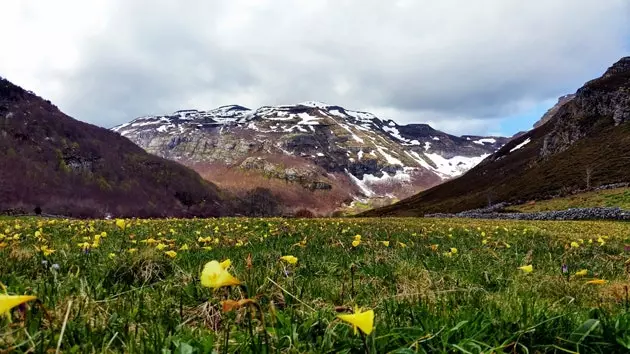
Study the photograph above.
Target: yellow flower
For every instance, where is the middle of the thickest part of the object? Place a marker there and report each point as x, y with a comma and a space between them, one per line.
111, 255
121, 224
362, 320
402, 244
355, 243
527, 268
207, 248
184, 247
385, 243
171, 254
289, 259
575, 245
160, 246
357, 237
454, 250
132, 250
7, 302
215, 275
597, 282
434, 247
581, 273
484, 241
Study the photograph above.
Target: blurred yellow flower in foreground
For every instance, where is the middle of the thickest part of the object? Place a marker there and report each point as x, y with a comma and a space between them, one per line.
597, 282
215, 275
527, 268
7, 302
362, 320
289, 259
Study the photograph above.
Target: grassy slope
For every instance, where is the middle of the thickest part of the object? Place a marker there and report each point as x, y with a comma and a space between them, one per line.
474, 300
619, 197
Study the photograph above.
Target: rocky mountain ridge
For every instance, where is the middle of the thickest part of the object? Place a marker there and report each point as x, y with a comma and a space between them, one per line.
354, 155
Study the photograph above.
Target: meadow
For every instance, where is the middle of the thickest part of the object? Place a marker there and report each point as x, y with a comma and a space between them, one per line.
433, 286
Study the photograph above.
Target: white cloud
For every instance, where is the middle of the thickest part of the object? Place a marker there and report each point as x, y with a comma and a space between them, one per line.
459, 65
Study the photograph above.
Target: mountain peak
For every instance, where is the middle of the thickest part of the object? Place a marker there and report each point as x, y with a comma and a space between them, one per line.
621, 66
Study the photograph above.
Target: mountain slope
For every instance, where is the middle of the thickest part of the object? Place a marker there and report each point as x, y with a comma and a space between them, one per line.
311, 155
67, 167
585, 143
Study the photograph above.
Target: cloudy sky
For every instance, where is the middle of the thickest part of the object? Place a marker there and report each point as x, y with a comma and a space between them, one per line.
485, 66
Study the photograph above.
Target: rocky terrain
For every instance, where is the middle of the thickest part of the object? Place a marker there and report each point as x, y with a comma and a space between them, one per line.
569, 214
311, 155
583, 142
53, 164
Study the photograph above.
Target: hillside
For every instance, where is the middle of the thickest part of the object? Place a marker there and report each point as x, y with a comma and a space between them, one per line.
64, 166
310, 155
584, 144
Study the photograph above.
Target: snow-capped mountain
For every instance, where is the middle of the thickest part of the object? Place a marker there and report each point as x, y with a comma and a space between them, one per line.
318, 147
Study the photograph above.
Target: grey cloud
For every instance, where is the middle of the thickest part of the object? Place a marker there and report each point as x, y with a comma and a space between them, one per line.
451, 60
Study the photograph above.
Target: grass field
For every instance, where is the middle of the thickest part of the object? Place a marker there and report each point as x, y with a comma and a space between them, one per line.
434, 286
619, 197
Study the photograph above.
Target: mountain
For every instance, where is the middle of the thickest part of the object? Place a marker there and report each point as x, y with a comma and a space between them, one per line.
310, 155
584, 143
63, 166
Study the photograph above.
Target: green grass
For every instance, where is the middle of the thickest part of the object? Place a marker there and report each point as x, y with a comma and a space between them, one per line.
475, 300
619, 197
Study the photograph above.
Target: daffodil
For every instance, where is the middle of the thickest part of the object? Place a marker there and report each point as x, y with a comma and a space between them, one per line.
289, 259
184, 247
160, 246
361, 320
403, 245
581, 273
111, 255
575, 245
7, 302
454, 250
385, 243
215, 275
121, 224
527, 268
356, 243
171, 253
597, 282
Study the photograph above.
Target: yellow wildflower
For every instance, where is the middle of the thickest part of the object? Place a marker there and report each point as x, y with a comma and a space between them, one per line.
453, 250
355, 243
184, 247
575, 245
121, 224
402, 244
132, 250
171, 254
385, 243
527, 268
581, 273
215, 275
361, 320
111, 255
160, 246
597, 282
7, 302
289, 259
